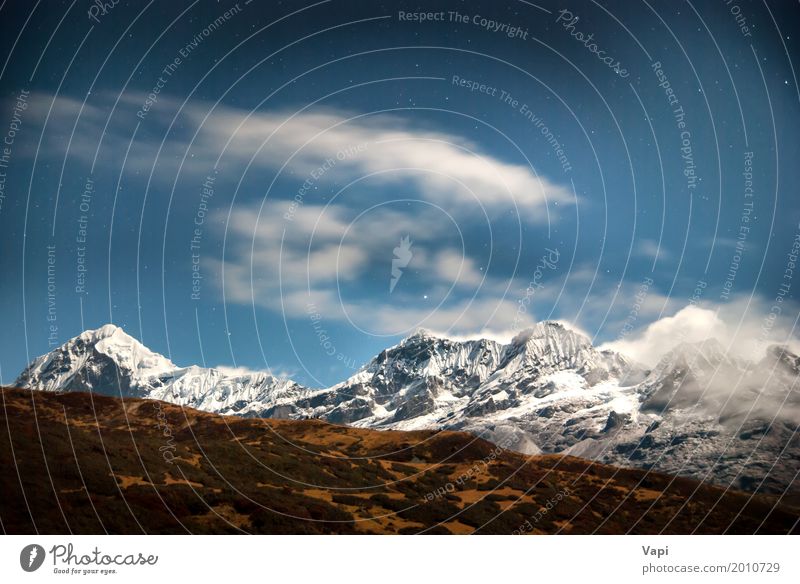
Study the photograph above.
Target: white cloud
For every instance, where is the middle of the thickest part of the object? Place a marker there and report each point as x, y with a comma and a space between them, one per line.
322, 249
738, 326
444, 169
650, 249
689, 325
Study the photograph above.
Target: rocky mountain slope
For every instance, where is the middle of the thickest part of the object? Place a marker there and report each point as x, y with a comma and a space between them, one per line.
93, 464
698, 413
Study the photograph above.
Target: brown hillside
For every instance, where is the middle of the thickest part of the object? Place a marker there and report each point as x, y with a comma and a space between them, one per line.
83, 463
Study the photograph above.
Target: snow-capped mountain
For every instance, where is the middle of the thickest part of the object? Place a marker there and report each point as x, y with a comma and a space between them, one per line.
707, 415
111, 362
699, 412
102, 358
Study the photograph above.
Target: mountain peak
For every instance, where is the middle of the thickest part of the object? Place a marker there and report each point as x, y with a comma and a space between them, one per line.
104, 356
541, 330
781, 352
782, 355
113, 341
104, 332
697, 360
419, 334
106, 335
107, 330
710, 351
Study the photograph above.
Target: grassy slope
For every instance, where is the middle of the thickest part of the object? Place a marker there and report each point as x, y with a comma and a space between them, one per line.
83, 463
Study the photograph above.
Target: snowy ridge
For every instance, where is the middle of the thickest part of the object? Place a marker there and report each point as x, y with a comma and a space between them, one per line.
109, 361
698, 412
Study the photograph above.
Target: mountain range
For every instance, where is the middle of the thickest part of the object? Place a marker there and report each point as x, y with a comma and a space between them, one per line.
700, 412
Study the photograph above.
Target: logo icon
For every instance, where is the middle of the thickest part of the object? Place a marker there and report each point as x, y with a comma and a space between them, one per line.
402, 256
31, 557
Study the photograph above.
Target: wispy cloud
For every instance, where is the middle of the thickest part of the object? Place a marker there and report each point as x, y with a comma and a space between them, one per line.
288, 266
650, 249
383, 150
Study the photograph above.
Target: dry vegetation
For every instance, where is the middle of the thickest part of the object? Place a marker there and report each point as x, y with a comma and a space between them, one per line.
83, 463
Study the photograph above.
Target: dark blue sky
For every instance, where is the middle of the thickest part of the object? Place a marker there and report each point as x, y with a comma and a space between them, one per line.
231, 183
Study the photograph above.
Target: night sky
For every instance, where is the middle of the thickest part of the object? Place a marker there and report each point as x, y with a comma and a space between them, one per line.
295, 186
